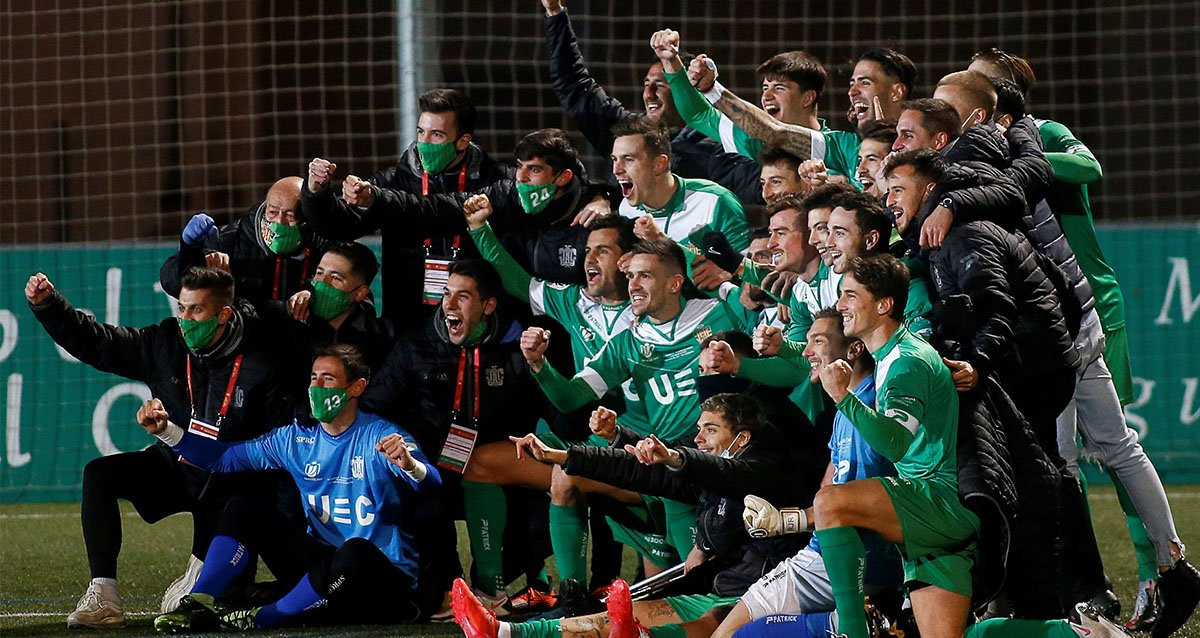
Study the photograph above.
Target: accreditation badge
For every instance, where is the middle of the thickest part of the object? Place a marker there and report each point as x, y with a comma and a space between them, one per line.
206, 430
437, 273
456, 450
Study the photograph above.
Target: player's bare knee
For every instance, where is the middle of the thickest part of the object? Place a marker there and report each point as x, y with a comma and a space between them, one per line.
563, 490
830, 506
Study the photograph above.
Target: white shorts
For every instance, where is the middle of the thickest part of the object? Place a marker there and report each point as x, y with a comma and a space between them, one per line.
798, 585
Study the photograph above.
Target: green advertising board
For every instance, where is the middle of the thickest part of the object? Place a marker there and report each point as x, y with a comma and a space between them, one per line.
59, 413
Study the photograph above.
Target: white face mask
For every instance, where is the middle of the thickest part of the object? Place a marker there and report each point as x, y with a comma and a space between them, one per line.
970, 121
726, 454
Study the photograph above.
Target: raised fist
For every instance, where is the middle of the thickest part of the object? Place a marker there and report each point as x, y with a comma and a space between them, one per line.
767, 340
534, 342
477, 209
719, 358
647, 229
702, 73
603, 423
152, 416
357, 192
199, 228
835, 378
320, 171
553, 7
38, 289
395, 448
813, 172
665, 44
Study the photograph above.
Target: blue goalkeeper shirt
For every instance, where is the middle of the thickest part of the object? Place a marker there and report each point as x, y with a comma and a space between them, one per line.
349, 489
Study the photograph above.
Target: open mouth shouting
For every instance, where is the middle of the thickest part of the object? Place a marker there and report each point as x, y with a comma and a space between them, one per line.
456, 327
592, 275
626, 188
859, 109
772, 109
654, 108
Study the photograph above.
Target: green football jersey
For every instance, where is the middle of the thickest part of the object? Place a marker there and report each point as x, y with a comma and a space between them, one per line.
663, 362
697, 203
914, 391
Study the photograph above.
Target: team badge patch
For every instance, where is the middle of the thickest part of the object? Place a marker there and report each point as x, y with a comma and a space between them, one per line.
567, 255
311, 470
495, 376
356, 467
587, 335
702, 333
647, 350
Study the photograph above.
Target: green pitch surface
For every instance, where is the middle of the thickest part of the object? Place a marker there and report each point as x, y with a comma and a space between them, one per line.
43, 569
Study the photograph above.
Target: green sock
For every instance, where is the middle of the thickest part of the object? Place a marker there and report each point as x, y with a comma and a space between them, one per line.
536, 629
681, 526
1142, 547
486, 508
569, 539
668, 631
1016, 628
845, 559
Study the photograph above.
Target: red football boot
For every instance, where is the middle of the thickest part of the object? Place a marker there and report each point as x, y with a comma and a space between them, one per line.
475, 620
621, 623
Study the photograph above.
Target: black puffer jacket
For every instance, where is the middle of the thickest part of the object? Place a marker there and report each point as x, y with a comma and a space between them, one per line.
372, 335
416, 386
717, 485
404, 250
595, 112
1016, 500
157, 356
260, 276
997, 304
1018, 153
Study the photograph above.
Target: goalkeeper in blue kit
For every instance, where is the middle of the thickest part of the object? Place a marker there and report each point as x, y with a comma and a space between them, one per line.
362, 481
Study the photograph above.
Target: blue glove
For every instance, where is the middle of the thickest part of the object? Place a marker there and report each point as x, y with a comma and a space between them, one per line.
199, 228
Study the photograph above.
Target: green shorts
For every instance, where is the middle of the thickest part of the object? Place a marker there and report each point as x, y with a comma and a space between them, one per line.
692, 606
1116, 355
643, 527
939, 533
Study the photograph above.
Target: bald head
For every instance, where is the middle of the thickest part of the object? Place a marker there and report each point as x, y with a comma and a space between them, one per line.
971, 94
282, 200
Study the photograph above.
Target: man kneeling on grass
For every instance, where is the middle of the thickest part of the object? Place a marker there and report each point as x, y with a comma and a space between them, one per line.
363, 481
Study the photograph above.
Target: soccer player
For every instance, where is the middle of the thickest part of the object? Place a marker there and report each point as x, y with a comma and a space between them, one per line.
914, 425
363, 481
780, 174
659, 352
878, 138
212, 368
592, 314
442, 159
641, 160
269, 254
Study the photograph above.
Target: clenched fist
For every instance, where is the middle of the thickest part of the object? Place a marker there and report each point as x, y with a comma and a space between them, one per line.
320, 171
719, 358
38, 289
665, 44
767, 340
534, 342
835, 378
762, 519
477, 209
357, 192
603, 423
152, 416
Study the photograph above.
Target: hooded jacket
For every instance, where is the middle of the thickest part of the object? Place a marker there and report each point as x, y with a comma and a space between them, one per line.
417, 385
765, 467
260, 276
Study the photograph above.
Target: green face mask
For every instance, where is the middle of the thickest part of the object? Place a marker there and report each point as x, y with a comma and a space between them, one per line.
329, 302
284, 238
535, 199
327, 403
436, 157
198, 334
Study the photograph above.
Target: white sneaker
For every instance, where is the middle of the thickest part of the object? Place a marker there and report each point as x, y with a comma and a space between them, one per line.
495, 604
182, 586
1086, 621
100, 606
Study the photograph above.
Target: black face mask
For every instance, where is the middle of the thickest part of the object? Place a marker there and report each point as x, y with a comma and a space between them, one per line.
707, 386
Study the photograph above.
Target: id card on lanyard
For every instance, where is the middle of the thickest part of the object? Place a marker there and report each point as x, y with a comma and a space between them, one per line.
200, 427
460, 440
437, 267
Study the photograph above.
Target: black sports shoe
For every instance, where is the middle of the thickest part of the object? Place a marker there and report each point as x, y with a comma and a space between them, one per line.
195, 613
1107, 603
1178, 592
1145, 609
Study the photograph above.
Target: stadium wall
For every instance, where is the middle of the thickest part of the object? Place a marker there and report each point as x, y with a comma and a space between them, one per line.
59, 413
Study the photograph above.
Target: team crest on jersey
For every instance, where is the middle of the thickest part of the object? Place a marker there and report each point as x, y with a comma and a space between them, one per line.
494, 376
238, 397
587, 335
647, 350
557, 286
311, 470
356, 467
567, 255
702, 333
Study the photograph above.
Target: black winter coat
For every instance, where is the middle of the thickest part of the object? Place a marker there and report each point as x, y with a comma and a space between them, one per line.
404, 250
260, 276
372, 335
595, 112
765, 468
157, 356
997, 305
416, 386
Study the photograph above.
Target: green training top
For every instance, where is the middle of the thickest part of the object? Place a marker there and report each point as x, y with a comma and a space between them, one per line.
839, 149
696, 203
1074, 168
915, 424
661, 359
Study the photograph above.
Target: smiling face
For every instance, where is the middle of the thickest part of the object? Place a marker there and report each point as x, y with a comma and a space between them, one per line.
656, 97
777, 180
651, 287
464, 308
912, 136
906, 193
846, 240
818, 233
634, 169
870, 161
600, 259
861, 311
759, 251
868, 81
788, 242
715, 434
784, 100
826, 344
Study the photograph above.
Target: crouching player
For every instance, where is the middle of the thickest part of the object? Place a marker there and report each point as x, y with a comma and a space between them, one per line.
362, 480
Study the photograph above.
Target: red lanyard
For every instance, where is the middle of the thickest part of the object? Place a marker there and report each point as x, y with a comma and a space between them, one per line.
237, 367
458, 388
279, 270
454, 246
462, 180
